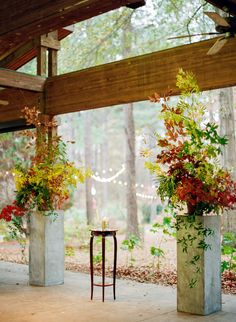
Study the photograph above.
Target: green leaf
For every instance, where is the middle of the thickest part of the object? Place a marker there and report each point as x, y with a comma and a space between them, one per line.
157, 252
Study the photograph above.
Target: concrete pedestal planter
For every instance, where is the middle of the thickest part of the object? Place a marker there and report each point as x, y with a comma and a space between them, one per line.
205, 295
46, 250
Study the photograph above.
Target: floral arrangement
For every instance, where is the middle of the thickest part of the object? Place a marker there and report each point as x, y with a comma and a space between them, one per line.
47, 182
187, 166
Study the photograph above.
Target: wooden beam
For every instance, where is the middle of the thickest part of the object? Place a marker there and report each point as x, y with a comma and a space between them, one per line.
17, 100
127, 81
137, 78
17, 54
52, 57
42, 61
9, 78
12, 126
50, 40
22, 20
136, 5
23, 54
228, 6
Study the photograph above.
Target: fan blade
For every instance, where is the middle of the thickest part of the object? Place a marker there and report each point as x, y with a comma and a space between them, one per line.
194, 35
217, 46
220, 21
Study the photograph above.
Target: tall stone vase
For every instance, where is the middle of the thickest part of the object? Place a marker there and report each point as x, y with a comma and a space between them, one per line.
205, 296
46, 249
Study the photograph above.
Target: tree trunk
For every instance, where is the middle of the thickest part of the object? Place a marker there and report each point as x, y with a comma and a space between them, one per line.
227, 128
105, 159
88, 157
131, 200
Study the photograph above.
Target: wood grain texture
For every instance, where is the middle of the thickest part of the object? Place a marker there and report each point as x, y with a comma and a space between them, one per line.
17, 100
137, 78
22, 55
22, 20
127, 81
9, 78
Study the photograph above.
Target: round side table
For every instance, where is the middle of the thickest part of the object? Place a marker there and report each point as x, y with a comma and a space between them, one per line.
103, 234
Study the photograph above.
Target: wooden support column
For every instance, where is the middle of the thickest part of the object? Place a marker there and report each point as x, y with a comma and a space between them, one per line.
52, 62
42, 61
52, 54
50, 43
46, 265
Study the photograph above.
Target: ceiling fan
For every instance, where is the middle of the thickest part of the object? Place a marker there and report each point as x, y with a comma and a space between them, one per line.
224, 26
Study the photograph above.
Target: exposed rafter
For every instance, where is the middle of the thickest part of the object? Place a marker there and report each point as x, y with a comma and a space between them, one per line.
21, 21
22, 55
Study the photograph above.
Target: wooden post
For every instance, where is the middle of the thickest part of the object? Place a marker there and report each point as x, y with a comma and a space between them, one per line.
42, 61
52, 54
46, 252
52, 62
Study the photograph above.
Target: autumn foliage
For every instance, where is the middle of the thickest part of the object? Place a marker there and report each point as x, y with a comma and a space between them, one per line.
187, 165
47, 182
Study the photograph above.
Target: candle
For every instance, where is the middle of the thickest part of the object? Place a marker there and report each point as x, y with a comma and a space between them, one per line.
105, 223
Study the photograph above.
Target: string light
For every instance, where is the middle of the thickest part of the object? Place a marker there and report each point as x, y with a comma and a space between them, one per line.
6, 173
112, 179
96, 177
144, 196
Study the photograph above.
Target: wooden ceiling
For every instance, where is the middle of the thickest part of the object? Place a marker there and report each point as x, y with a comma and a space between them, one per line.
28, 51
23, 20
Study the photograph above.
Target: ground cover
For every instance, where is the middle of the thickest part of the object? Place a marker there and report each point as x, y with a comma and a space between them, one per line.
143, 267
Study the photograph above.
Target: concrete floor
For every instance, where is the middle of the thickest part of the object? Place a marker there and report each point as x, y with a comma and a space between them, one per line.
70, 302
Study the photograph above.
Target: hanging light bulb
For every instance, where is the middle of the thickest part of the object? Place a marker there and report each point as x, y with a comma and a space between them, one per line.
93, 191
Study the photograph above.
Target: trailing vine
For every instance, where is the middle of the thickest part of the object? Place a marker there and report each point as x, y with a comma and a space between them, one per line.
196, 239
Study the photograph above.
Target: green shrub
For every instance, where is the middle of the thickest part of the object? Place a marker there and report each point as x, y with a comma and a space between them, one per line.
167, 229
129, 245
228, 249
